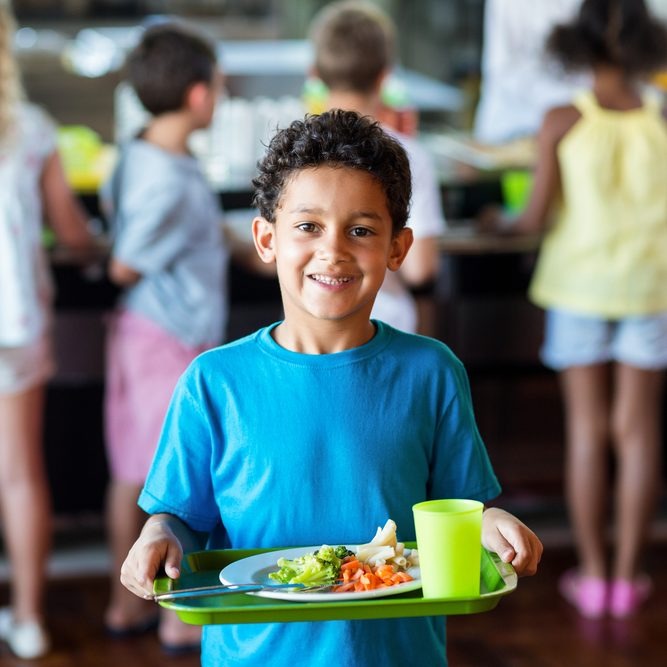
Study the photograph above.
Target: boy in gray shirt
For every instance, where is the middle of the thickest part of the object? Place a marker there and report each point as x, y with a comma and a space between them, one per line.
169, 255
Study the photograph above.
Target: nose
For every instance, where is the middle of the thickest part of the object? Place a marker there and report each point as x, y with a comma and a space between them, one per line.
333, 247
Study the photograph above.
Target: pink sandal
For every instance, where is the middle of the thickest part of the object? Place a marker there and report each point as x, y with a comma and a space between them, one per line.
627, 596
587, 594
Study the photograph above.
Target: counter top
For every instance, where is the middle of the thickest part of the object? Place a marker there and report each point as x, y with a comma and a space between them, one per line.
462, 238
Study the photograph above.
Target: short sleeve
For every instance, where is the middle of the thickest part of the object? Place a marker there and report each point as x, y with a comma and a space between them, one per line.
41, 134
179, 481
426, 215
461, 467
148, 222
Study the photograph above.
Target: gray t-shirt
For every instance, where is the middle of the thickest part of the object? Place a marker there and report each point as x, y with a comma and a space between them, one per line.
166, 225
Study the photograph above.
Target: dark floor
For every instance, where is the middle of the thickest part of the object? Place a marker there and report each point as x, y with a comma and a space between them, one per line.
532, 627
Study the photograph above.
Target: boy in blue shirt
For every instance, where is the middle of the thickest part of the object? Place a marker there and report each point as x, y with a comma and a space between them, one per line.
320, 427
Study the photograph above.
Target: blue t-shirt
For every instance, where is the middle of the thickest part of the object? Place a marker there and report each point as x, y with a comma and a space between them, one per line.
167, 225
266, 447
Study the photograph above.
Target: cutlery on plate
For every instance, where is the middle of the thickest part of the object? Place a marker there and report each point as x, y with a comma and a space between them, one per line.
223, 589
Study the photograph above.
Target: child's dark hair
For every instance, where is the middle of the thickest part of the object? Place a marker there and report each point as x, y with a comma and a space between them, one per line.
620, 33
169, 59
335, 139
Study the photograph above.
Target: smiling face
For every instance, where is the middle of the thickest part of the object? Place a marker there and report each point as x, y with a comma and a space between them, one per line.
332, 243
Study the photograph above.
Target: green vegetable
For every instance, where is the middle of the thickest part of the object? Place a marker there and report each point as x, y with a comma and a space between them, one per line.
320, 568
343, 552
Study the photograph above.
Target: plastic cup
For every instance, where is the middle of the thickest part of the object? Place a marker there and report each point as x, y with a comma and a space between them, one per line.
449, 540
516, 185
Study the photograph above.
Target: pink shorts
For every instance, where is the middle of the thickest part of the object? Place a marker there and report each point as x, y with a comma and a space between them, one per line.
144, 363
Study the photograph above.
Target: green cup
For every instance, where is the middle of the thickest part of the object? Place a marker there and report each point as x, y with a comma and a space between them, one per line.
449, 540
516, 186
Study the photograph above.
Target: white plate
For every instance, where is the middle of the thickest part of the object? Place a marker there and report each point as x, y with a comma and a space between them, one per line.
256, 569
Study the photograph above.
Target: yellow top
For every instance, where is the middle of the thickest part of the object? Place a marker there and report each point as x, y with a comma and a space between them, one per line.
606, 254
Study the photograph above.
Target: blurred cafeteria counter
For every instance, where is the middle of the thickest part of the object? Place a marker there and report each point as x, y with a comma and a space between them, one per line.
479, 301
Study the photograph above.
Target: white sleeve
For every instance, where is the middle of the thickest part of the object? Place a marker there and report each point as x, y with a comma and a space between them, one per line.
426, 215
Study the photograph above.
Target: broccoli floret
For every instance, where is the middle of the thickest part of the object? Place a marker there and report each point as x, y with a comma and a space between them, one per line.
343, 552
319, 568
326, 554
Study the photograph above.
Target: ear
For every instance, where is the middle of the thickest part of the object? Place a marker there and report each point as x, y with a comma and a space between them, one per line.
382, 78
400, 244
263, 235
196, 95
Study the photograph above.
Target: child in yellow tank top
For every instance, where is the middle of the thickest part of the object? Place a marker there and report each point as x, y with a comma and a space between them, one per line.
602, 278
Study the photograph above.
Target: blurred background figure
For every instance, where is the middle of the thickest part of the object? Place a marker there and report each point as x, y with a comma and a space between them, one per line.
170, 256
601, 276
32, 183
354, 45
519, 82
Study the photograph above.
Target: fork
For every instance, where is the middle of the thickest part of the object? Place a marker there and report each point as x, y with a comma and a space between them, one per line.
224, 589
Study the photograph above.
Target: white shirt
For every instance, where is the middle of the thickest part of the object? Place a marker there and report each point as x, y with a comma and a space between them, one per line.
394, 304
25, 282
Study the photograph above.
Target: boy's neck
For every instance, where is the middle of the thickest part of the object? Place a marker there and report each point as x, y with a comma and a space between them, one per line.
169, 131
363, 104
324, 338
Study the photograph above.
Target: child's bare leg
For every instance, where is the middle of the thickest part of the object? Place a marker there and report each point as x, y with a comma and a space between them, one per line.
175, 634
124, 522
25, 500
637, 441
585, 390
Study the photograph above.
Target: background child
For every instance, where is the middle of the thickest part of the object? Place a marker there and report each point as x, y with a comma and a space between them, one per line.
354, 45
33, 183
602, 277
170, 255
318, 427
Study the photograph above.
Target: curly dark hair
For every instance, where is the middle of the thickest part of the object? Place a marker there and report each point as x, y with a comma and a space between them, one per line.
335, 139
168, 60
621, 33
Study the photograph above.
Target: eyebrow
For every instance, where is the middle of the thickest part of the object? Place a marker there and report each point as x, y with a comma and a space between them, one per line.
372, 215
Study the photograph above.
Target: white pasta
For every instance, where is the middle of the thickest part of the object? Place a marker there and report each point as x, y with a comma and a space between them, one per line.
384, 548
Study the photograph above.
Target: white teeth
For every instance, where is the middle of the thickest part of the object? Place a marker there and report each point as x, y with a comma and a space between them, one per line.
328, 280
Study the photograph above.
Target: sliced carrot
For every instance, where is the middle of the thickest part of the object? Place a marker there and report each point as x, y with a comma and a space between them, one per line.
344, 588
358, 576
350, 565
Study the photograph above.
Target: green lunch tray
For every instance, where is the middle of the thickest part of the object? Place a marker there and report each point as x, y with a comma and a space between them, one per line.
202, 568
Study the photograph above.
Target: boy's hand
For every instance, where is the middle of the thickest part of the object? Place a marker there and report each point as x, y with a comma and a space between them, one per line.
157, 548
512, 540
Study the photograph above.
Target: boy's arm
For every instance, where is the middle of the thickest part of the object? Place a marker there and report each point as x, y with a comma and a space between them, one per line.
421, 263
63, 211
122, 274
512, 540
161, 544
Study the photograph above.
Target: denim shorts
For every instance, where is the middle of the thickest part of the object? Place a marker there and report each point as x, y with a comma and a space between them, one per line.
572, 339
